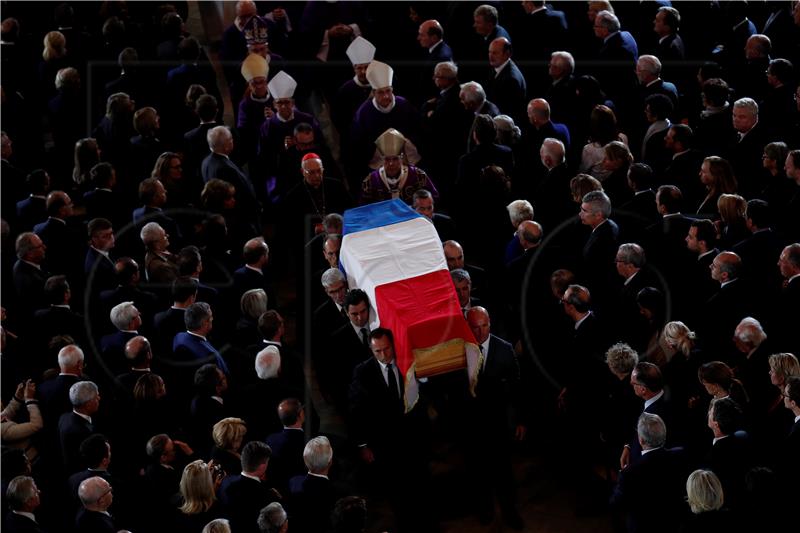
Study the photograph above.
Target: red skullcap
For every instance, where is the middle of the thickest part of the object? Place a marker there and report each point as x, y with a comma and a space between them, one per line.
312, 155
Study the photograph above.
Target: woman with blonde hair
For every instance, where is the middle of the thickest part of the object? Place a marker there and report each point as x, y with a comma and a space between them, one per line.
617, 159
685, 359
705, 498
199, 484
228, 435
54, 58
582, 184
716, 174
732, 226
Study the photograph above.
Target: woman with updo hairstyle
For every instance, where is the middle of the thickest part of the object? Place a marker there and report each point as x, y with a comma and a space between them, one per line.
705, 498
168, 168
719, 381
199, 505
602, 130
716, 174
228, 435
508, 133
732, 226
253, 304
617, 160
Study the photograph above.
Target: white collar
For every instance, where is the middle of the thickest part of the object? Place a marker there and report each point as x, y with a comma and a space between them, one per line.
251, 476
432, 48
645, 452
27, 515
699, 257
543, 8
727, 282
629, 278
679, 154
501, 67
272, 343
104, 253
793, 277
357, 82
318, 475
717, 439
61, 306
34, 265
196, 335
85, 417
600, 224
654, 399
610, 35
219, 399
279, 117
254, 269
664, 38
384, 110
579, 322
358, 330
652, 82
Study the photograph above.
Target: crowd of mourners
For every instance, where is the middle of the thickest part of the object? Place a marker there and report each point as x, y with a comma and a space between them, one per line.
617, 192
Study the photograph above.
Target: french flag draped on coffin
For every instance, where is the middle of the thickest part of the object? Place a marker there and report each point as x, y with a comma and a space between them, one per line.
394, 254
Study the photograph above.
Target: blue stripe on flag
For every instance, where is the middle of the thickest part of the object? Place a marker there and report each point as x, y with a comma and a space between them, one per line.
377, 215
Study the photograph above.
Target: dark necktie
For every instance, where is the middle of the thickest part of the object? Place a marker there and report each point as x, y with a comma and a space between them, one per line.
393, 391
344, 312
483, 360
365, 337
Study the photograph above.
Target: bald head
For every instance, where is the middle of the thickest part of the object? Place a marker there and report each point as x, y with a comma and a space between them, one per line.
530, 234
95, 494
726, 267
138, 352
454, 254
479, 323
256, 252
246, 9
538, 112
552, 153
430, 33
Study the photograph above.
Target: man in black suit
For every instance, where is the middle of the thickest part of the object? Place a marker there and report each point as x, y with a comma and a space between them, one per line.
190, 265
651, 492
529, 234
96, 452
758, 252
245, 494
254, 273
786, 314
600, 247
65, 242
685, 163
618, 54
745, 153
551, 194
383, 430
539, 31
446, 125
331, 315
23, 499
139, 357
98, 266
731, 455
170, 322
287, 445
430, 36
642, 207
729, 305
789, 461
217, 165
506, 86
75, 426
348, 347
423, 204
701, 240
752, 364
195, 141
500, 416
670, 47
127, 319
127, 290
648, 384
54, 393
561, 93
96, 496
29, 276
666, 239
161, 480
714, 126
33, 209
59, 318
632, 268
313, 495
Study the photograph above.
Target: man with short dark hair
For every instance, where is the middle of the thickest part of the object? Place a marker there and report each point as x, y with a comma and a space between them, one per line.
98, 266
96, 453
245, 494
66, 244
730, 456
349, 346
168, 323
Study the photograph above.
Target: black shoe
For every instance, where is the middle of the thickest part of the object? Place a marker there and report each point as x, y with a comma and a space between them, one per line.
513, 520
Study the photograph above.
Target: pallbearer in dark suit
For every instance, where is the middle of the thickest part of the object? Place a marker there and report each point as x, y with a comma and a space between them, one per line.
392, 442
245, 494
500, 415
